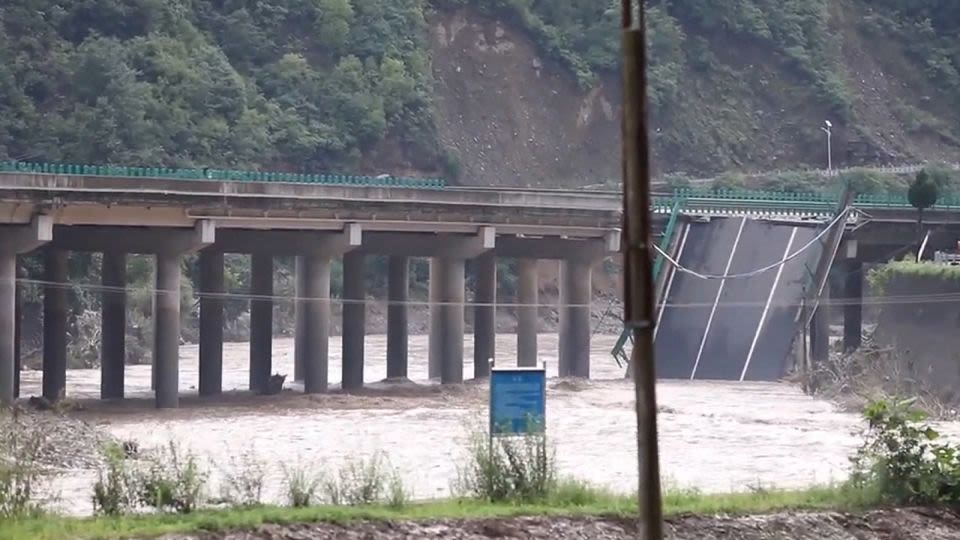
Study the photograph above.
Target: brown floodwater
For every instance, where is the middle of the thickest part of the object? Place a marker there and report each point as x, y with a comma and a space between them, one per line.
714, 436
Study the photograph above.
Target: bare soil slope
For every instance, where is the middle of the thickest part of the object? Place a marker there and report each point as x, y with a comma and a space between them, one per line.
513, 116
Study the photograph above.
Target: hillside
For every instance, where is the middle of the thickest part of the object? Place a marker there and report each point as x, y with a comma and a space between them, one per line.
496, 92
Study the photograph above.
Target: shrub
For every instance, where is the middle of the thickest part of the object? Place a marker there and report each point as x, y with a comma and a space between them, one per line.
115, 492
172, 481
243, 481
21, 475
902, 459
301, 484
364, 482
508, 469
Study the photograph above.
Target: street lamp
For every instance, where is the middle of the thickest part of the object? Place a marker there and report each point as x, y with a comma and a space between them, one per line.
829, 145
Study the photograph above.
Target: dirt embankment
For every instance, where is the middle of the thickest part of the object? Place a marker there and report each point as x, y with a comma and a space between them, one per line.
879, 525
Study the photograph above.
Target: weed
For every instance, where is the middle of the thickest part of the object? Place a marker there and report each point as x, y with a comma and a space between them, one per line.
115, 492
21, 476
172, 481
364, 482
516, 469
243, 480
902, 459
302, 485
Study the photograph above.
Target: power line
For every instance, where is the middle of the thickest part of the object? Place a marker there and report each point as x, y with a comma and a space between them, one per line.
935, 298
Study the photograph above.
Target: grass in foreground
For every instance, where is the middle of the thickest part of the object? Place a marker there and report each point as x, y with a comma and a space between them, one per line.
570, 500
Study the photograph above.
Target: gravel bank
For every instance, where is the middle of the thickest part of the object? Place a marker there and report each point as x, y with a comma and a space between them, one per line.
910, 524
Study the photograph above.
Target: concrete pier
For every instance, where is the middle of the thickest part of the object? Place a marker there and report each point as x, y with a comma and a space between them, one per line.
447, 331
55, 324
575, 293
8, 288
354, 320
527, 312
820, 332
299, 318
261, 321
435, 345
166, 343
484, 315
853, 309
316, 325
398, 291
17, 331
211, 323
113, 275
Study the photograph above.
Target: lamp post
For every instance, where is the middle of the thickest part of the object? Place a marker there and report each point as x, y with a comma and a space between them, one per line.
826, 130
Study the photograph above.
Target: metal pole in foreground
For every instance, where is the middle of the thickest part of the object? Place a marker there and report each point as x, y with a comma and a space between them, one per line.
638, 258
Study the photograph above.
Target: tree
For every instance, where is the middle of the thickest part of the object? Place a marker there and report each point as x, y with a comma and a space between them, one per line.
922, 194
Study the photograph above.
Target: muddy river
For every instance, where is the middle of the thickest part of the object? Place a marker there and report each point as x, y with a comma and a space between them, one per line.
713, 436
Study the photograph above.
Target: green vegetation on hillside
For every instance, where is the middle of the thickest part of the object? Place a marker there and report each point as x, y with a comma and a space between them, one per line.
291, 84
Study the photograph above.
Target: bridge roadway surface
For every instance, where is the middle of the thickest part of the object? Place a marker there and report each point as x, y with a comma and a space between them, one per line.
316, 223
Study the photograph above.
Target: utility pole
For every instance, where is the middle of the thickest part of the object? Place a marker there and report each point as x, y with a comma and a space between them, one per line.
638, 258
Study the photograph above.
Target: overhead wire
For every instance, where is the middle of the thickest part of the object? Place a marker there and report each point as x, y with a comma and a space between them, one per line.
758, 271
246, 296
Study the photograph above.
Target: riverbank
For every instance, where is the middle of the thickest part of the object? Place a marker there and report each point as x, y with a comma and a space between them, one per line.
589, 515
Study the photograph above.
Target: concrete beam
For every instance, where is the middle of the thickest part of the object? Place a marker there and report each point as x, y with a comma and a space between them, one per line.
138, 240
459, 246
591, 249
279, 242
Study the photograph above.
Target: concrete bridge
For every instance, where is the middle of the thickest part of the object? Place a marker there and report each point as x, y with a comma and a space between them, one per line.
62, 209
167, 217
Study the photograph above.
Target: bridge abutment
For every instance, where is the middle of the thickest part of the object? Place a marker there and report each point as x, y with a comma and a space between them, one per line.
398, 288
261, 321
354, 320
113, 320
211, 323
55, 324
527, 312
484, 315
575, 298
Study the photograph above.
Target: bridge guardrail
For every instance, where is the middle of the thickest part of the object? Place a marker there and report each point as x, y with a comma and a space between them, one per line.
224, 175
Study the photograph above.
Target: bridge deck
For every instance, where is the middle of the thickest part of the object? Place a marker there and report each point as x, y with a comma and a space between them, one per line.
734, 329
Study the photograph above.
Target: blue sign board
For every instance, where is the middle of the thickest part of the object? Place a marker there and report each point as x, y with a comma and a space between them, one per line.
517, 401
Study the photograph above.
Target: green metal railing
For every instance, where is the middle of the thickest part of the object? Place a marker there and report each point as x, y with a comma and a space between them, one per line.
222, 175
799, 202
627, 335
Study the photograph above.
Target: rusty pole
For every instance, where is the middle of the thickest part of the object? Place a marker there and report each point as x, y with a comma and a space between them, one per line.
638, 258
